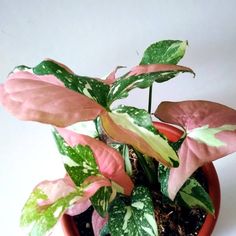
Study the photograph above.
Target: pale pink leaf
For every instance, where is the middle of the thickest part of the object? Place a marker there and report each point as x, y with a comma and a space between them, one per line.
78, 208
211, 134
55, 190
110, 162
98, 222
37, 100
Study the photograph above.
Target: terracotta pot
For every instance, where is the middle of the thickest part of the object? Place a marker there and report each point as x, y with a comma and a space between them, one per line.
173, 134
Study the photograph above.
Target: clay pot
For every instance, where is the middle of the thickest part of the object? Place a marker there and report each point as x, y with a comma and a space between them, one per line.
173, 134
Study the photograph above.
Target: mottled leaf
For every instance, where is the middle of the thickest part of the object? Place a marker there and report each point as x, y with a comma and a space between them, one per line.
29, 97
133, 217
165, 52
90, 87
42, 218
78, 160
163, 176
211, 134
134, 126
109, 161
194, 195
142, 76
100, 200
50, 199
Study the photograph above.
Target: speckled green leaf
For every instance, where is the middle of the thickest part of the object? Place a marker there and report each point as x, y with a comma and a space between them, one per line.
79, 161
100, 200
194, 195
166, 52
134, 126
42, 219
87, 86
163, 52
163, 176
133, 217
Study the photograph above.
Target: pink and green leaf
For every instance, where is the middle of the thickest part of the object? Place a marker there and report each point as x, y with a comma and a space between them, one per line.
29, 97
50, 199
154, 66
93, 88
142, 76
210, 134
110, 162
133, 126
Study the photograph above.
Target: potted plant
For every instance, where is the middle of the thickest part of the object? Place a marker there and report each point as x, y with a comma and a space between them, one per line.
121, 166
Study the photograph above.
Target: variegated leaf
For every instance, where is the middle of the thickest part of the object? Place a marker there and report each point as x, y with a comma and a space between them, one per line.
191, 194
90, 87
85, 127
109, 161
134, 126
100, 200
42, 218
165, 52
211, 134
194, 195
79, 161
50, 199
133, 217
142, 76
44, 99
163, 176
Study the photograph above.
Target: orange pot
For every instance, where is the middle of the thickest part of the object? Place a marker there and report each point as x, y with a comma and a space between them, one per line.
173, 134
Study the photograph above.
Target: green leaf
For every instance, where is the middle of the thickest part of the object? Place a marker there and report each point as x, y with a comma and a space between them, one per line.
163, 177
133, 217
125, 154
100, 200
79, 160
87, 86
43, 219
134, 126
165, 52
194, 195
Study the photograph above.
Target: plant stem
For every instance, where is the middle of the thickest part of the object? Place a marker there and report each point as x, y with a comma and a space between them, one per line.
150, 100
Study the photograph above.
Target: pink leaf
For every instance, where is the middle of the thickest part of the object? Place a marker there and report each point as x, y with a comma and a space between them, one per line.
43, 99
98, 222
211, 134
152, 68
110, 162
78, 208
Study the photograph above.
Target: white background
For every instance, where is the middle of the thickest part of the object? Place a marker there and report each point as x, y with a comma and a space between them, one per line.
92, 37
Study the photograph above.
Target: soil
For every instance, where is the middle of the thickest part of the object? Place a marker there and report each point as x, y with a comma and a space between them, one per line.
172, 219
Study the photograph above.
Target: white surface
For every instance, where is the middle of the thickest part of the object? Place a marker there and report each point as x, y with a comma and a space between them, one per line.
92, 37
